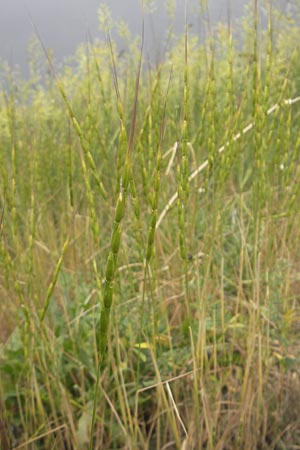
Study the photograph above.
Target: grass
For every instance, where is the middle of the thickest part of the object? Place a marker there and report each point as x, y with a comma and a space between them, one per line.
150, 245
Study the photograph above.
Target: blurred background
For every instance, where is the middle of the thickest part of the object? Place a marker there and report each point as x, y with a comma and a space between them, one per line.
64, 24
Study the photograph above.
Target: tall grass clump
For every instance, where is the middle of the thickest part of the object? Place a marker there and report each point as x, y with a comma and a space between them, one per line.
149, 242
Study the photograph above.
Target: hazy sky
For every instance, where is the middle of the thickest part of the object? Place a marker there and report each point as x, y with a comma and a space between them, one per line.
63, 24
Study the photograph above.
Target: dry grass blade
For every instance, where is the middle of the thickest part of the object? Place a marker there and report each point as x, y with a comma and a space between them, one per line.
2, 220
40, 436
171, 397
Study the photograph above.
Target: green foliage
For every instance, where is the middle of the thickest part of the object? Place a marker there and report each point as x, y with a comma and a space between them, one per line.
149, 263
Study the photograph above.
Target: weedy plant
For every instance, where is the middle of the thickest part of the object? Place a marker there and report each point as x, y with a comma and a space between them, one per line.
149, 246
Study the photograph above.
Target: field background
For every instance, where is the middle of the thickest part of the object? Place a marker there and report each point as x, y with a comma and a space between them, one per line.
149, 254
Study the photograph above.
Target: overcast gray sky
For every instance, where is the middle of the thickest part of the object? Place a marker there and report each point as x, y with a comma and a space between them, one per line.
63, 24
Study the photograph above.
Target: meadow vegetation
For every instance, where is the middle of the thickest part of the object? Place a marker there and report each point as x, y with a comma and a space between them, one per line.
149, 252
